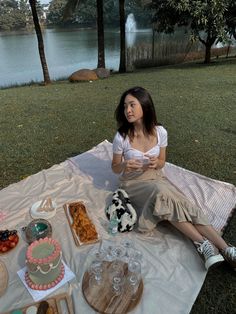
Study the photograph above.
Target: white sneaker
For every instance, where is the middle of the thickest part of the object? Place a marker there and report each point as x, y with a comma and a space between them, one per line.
230, 255
209, 253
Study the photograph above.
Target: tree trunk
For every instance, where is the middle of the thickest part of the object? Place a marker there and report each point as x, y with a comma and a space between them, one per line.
40, 41
208, 44
153, 42
100, 34
207, 53
122, 68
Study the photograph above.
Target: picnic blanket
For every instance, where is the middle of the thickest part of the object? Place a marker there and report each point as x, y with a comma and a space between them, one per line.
172, 270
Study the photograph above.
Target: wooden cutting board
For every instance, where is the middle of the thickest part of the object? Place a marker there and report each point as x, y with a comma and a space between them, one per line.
61, 304
101, 298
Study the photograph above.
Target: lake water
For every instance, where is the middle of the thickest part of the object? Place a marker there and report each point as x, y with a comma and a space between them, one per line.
66, 52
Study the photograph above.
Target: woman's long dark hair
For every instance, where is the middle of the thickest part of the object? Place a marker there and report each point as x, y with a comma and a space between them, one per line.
149, 114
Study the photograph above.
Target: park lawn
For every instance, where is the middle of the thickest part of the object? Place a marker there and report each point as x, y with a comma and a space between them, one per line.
44, 125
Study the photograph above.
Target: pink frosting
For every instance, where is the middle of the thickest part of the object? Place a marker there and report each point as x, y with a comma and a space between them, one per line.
46, 286
45, 260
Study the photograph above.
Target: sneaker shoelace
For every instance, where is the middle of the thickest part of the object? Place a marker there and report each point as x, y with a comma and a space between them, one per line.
206, 249
231, 253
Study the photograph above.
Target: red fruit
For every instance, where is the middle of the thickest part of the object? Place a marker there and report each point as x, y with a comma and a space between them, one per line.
7, 243
16, 239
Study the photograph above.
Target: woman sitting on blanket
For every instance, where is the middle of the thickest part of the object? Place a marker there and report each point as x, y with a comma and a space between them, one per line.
139, 153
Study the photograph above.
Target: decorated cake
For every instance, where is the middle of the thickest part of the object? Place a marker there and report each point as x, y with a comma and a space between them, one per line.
44, 264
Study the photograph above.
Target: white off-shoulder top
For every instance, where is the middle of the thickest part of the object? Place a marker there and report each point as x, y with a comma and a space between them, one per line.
123, 146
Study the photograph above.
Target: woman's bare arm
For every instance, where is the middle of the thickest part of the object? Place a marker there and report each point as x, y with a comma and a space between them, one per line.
118, 164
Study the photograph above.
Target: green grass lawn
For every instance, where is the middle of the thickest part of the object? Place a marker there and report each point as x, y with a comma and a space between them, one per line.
41, 126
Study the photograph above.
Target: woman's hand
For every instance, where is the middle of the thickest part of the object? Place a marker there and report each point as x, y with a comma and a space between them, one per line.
119, 165
154, 162
157, 162
132, 165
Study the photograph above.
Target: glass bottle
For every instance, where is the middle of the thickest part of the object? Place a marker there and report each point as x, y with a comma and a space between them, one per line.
113, 224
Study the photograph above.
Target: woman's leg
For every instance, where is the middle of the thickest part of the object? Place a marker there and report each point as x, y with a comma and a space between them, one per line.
197, 232
188, 229
200, 237
211, 234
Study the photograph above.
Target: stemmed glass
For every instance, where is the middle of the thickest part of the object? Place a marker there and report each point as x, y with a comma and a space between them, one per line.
118, 252
137, 255
134, 266
133, 284
117, 266
109, 255
128, 244
134, 276
116, 277
96, 270
99, 255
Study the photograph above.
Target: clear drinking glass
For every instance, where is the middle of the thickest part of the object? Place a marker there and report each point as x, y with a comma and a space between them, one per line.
100, 255
137, 255
118, 252
134, 267
117, 267
133, 281
116, 278
109, 255
134, 276
95, 271
128, 245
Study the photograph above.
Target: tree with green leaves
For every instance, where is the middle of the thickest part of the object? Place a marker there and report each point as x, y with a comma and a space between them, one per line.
33, 6
230, 16
14, 15
55, 14
206, 19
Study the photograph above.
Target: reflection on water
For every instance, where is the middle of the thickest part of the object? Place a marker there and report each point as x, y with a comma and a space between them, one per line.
66, 52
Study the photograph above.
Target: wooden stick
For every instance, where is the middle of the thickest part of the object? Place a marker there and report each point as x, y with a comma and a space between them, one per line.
64, 297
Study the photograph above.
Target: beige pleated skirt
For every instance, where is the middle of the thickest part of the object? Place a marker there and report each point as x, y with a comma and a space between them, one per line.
156, 199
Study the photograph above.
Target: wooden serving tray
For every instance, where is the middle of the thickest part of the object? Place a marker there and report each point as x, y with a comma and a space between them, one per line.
77, 240
101, 298
61, 304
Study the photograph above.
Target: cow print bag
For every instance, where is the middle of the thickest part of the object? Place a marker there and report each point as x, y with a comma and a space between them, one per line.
125, 212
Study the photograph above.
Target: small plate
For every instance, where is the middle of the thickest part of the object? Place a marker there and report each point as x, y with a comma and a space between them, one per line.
3, 278
46, 215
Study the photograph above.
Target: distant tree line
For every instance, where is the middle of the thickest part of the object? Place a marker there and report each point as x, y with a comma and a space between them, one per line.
16, 14
85, 14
